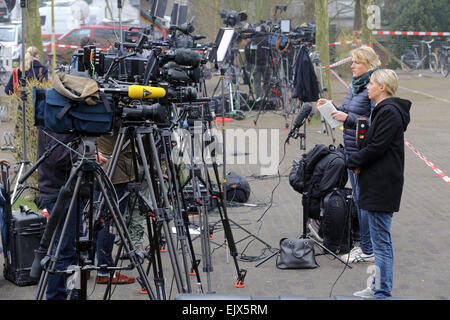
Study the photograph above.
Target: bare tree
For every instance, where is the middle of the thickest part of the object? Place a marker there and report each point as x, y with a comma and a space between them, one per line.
322, 39
33, 36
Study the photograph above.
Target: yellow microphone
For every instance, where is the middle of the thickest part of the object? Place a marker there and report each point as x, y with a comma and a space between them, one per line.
145, 92
138, 92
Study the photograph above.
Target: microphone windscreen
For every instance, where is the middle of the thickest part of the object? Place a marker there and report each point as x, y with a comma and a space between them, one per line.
303, 113
145, 92
187, 57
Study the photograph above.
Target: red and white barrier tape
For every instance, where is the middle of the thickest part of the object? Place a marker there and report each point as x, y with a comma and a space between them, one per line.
67, 46
340, 79
439, 172
344, 42
348, 59
406, 33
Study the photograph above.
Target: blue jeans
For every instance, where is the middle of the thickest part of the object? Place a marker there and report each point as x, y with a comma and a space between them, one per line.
365, 242
56, 288
380, 230
103, 239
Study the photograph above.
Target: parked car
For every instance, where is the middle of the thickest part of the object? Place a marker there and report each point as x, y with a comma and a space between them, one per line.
104, 35
66, 18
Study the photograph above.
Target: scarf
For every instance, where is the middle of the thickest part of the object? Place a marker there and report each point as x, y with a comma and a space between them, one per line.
360, 83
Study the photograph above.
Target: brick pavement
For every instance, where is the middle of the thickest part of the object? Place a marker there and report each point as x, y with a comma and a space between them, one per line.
420, 231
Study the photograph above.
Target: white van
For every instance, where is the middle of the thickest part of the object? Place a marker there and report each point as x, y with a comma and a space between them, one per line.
10, 45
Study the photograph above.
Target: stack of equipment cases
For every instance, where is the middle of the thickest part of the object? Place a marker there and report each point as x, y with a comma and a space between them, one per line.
25, 230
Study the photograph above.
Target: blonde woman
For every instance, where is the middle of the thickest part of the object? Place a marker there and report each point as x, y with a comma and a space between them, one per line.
33, 70
357, 104
380, 166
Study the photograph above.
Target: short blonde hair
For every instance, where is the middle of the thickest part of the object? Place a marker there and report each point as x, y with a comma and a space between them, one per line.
30, 54
367, 56
388, 78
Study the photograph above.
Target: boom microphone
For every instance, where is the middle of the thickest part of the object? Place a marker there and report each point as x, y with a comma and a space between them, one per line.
300, 118
302, 115
138, 92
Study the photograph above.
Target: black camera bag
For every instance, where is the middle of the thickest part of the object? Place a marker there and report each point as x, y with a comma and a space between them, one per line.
238, 189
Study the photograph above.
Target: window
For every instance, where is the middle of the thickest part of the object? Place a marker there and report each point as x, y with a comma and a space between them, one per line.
106, 37
8, 34
74, 38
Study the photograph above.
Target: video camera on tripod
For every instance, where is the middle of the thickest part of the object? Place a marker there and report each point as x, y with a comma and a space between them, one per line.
232, 18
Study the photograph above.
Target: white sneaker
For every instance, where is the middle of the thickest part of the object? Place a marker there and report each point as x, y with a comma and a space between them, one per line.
353, 253
366, 293
357, 256
314, 227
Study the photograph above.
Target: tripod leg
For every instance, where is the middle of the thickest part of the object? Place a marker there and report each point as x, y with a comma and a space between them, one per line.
262, 106
54, 258
123, 232
182, 233
227, 229
161, 214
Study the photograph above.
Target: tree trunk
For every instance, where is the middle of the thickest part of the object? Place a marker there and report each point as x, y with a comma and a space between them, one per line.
366, 33
357, 17
323, 38
33, 34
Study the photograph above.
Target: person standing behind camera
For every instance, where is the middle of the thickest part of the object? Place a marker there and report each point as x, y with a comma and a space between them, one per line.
357, 104
33, 70
256, 56
380, 169
123, 174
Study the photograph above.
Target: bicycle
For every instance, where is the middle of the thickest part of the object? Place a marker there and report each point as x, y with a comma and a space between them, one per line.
410, 59
444, 60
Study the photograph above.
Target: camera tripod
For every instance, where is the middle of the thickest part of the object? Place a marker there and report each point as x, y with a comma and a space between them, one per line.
164, 203
197, 180
88, 172
278, 86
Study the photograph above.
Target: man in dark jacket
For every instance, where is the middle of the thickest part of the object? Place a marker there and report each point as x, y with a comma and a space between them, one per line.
380, 165
257, 53
52, 176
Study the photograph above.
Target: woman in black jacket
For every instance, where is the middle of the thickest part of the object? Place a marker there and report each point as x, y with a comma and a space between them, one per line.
380, 165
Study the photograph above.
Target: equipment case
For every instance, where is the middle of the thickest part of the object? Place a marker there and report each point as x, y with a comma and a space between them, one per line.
25, 229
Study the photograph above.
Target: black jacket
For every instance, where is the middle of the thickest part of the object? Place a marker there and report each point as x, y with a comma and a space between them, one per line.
382, 157
306, 86
55, 170
257, 50
37, 71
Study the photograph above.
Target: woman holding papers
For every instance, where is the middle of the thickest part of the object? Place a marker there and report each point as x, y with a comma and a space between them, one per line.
357, 105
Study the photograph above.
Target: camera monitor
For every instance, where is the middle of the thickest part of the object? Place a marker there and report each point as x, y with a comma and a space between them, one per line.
285, 25
158, 8
179, 14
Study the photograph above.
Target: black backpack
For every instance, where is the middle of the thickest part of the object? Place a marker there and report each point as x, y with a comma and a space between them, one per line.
302, 168
337, 211
238, 189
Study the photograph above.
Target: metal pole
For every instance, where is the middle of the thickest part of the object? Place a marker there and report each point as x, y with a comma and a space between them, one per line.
23, 4
119, 6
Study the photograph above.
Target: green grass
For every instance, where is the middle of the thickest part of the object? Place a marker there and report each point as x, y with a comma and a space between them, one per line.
27, 201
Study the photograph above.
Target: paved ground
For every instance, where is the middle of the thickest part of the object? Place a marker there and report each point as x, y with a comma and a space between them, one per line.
420, 231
